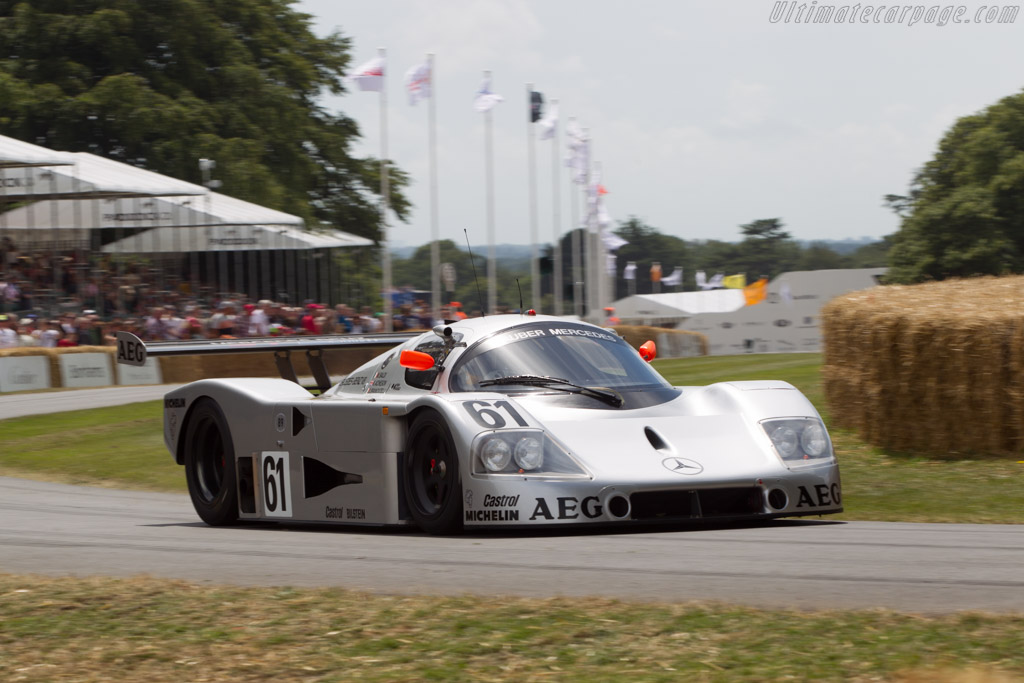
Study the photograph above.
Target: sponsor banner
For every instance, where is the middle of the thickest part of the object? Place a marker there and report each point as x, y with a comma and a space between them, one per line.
24, 373
145, 374
79, 370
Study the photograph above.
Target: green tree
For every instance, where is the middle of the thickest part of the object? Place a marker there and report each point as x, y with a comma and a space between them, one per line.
414, 273
164, 83
964, 215
766, 250
817, 256
645, 246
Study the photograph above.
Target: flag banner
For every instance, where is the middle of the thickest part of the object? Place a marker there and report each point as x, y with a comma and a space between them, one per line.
786, 293
579, 152
610, 263
417, 82
755, 293
485, 99
549, 123
735, 281
714, 283
369, 76
612, 241
536, 106
629, 272
655, 272
676, 278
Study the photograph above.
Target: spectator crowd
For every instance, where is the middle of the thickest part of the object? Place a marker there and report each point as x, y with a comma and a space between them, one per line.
228, 319
56, 299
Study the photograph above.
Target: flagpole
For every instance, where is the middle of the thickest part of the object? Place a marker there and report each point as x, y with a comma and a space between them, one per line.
588, 275
532, 174
577, 276
600, 258
435, 247
492, 275
385, 199
557, 253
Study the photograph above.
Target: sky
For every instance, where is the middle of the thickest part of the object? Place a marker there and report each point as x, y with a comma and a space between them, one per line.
704, 115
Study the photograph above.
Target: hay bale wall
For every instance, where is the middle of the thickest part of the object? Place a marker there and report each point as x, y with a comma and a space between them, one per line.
671, 343
935, 368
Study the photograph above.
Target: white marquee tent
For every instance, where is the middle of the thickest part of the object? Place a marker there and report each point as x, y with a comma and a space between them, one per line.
18, 154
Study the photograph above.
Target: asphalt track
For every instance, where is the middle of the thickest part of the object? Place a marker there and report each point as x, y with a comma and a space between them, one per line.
56, 529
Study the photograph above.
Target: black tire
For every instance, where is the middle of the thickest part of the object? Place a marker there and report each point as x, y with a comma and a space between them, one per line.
209, 456
432, 484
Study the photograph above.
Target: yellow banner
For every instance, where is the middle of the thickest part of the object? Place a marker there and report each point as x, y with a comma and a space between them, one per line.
735, 281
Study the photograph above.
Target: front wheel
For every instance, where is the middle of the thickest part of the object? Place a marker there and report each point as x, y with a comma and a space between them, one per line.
210, 464
432, 485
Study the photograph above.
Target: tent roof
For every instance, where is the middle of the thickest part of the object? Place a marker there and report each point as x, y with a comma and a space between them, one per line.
16, 153
143, 212
679, 304
220, 208
92, 176
227, 237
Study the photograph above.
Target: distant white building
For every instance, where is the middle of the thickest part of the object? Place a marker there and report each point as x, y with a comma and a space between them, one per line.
788, 320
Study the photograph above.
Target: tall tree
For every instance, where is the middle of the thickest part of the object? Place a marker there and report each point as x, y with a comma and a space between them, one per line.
964, 215
645, 246
766, 250
164, 83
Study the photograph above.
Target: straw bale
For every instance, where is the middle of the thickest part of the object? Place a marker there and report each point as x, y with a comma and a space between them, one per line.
695, 343
936, 367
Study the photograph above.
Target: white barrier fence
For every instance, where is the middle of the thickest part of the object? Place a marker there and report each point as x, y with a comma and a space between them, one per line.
77, 370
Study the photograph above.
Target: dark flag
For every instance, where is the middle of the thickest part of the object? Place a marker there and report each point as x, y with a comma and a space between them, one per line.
536, 106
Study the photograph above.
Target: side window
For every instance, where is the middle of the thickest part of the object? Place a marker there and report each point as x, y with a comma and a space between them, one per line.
424, 379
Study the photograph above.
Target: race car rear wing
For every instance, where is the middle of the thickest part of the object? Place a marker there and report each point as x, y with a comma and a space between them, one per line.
133, 351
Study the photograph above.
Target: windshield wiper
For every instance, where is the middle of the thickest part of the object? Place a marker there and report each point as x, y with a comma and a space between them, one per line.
608, 397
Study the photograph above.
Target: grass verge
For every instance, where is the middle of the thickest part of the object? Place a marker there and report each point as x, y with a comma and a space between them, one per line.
145, 629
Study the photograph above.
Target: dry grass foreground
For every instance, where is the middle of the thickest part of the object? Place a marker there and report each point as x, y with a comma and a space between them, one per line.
147, 629
935, 367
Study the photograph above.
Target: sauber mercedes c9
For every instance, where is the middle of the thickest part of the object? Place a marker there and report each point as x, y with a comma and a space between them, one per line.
502, 421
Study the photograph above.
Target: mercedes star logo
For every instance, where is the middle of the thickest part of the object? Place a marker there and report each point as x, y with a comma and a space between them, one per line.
682, 466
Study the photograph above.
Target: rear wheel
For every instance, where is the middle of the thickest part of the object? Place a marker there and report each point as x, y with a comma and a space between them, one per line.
433, 487
209, 457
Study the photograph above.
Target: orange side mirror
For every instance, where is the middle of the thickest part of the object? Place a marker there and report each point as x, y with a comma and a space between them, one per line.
648, 351
416, 360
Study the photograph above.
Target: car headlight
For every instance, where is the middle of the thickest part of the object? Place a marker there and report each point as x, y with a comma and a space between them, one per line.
529, 453
522, 452
799, 441
496, 454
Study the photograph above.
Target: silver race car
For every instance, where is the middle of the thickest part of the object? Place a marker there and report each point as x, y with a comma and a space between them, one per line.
502, 421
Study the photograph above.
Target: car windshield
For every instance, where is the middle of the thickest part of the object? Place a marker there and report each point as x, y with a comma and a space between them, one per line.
586, 356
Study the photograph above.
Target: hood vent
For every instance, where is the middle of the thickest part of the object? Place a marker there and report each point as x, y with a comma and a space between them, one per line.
656, 440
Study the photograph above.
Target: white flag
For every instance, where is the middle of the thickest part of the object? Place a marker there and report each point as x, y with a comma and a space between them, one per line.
717, 282
579, 152
676, 278
485, 99
549, 123
369, 76
612, 241
629, 272
702, 280
417, 82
